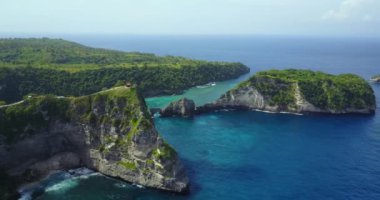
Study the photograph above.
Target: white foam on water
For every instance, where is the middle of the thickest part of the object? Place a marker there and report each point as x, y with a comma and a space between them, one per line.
212, 84
63, 186
137, 185
72, 181
120, 185
58, 183
282, 112
26, 196
81, 171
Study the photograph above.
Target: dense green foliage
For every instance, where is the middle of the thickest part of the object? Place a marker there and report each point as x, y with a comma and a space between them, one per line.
15, 119
70, 56
323, 90
60, 67
122, 107
279, 91
37, 112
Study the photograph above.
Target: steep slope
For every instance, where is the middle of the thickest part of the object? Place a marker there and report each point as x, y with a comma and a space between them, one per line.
300, 91
110, 131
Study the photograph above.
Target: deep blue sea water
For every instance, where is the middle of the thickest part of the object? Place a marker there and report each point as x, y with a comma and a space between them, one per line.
255, 155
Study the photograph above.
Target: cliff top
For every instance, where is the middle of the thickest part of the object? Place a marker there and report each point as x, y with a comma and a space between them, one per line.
298, 75
110, 131
36, 111
323, 90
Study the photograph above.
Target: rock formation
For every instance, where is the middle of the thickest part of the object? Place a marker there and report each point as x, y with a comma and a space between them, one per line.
110, 132
376, 79
299, 91
183, 107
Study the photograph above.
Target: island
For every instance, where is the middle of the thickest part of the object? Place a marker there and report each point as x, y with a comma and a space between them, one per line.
183, 107
376, 79
299, 91
110, 131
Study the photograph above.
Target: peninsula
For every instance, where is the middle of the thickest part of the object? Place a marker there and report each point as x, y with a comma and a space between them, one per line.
299, 91
110, 131
60, 67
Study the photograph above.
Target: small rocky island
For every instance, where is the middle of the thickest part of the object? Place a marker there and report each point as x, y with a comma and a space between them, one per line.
183, 107
109, 131
376, 79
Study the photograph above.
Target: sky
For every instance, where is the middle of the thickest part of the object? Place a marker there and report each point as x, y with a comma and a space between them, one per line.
357, 18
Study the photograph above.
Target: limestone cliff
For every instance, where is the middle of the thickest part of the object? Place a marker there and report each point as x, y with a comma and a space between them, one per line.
299, 91
376, 79
110, 132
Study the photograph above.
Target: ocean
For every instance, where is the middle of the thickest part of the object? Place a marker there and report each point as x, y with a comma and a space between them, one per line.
247, 154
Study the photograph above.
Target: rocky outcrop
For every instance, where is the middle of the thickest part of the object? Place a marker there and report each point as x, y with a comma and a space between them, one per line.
299, 91
110, 132
183, 107
376, 79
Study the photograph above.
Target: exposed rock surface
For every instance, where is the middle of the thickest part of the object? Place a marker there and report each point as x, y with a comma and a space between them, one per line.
110, 132
376, 79
272, 92
183, 107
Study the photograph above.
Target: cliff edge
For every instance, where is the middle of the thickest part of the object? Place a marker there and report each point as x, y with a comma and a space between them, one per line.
376, 79
299, 91
109, 131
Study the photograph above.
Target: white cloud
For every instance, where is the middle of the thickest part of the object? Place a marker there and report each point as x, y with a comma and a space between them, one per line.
349, 9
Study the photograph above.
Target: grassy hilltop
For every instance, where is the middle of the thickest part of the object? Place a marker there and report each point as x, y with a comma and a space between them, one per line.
326, 91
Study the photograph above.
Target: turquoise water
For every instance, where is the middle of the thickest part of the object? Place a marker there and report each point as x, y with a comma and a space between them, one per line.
254, 155
200, 94
333, 55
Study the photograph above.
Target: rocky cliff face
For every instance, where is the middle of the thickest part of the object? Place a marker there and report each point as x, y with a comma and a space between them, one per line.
376, 79
110, 132
299, 91
183, 107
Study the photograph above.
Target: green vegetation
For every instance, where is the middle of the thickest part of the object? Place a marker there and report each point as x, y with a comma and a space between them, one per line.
37, 112
15, 119
323, 90
115, 122
165, 152
53, 66
128, 165
280, 91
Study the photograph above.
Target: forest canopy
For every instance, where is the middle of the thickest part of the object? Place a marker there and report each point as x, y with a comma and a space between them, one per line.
56, 66
323, 90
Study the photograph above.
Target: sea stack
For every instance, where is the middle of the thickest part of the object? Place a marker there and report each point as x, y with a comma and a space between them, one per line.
183, 107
